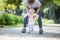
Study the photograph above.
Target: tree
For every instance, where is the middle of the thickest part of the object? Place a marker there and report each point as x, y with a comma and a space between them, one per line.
17, 3
56, 2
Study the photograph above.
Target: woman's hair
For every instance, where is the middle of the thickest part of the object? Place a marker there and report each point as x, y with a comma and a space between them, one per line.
31, 1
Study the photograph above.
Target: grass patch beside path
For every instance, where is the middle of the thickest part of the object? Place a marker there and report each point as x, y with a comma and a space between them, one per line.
12, 26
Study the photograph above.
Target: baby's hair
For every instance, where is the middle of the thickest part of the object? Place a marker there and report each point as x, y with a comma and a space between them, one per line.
32, 10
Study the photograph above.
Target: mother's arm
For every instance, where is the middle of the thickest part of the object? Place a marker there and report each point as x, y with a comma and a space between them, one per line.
38, 9
26, 7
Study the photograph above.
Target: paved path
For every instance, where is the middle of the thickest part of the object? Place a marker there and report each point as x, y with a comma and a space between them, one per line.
50, 33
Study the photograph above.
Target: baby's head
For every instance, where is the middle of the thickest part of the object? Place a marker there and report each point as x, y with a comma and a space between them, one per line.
31, 11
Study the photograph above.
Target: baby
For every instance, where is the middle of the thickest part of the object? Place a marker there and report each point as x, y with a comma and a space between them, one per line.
31, 17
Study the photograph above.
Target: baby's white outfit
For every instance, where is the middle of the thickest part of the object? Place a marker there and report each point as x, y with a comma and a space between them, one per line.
31, 21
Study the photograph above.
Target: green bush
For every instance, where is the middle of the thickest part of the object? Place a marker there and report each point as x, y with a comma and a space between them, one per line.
19, 19
10, 19
2, 21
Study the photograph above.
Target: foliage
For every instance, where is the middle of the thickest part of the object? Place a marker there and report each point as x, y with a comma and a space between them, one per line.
57, 2
22, 6
10, 19
11, 6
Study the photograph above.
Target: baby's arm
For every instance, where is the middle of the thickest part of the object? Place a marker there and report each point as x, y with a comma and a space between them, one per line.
36, 16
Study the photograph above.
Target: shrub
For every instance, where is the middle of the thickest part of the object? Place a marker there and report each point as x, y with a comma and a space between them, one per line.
10, 19
2, 21
19, 19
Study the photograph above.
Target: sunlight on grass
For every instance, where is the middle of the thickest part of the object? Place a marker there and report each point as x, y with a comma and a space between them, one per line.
46, 21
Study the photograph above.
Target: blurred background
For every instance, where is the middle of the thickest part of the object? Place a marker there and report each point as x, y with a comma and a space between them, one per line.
12, 12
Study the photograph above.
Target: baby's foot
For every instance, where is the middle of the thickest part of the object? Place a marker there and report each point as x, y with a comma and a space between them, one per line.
29, 32
32, 30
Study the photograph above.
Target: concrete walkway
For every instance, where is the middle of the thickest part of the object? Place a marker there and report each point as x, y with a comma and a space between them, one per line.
50, 33
53, 25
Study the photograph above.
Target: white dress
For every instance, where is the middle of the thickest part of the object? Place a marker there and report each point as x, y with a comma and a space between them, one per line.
31, 21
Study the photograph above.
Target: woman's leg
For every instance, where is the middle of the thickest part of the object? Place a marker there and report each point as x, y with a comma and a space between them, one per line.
40, 23
25, 24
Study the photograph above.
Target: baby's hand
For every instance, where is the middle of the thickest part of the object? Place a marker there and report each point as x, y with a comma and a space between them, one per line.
35, 18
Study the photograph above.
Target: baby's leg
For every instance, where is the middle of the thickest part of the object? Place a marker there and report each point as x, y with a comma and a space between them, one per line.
30, 28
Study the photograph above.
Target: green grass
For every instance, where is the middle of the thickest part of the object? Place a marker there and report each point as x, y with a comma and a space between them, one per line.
12, 26
46, 21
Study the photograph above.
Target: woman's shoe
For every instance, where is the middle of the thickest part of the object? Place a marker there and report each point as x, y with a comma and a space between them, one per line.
24, 31
40, 31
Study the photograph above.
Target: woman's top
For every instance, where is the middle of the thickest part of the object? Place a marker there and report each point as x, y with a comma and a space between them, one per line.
34, 5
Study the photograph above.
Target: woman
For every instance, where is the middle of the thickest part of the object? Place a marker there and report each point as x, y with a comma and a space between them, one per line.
35, 4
